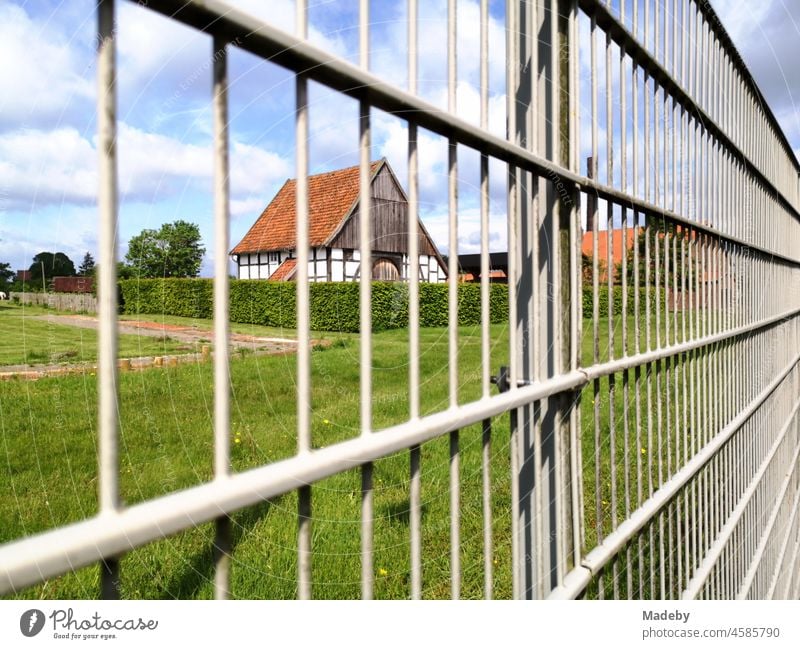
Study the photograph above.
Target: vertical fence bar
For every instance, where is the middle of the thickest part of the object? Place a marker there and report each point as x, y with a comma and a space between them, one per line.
415, 495
485, 315
592, 225
108, 386
222, 461
575, 283
452, 326
558, 429
513, 202
303, 318
637, 331
531, 214
625, 315
365, 320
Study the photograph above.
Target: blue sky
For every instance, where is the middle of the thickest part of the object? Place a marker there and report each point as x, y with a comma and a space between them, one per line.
48, 159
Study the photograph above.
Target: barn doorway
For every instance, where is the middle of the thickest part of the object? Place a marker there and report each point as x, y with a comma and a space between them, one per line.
384, 270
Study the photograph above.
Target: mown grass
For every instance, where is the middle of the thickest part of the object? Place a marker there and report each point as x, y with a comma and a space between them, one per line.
49, 474
235, 327
29, 340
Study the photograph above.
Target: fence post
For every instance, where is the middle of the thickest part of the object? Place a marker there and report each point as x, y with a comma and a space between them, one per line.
543, 241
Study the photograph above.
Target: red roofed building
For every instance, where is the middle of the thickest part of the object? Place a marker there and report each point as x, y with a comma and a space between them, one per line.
619, 248
267, 251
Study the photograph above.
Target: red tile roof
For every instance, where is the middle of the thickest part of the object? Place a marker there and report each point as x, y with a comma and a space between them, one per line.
617, 250
331, 195
285, 271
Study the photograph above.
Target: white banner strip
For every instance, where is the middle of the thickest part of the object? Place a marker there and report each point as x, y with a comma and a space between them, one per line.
384, 625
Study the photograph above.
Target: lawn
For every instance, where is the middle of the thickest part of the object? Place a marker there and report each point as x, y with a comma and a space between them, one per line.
29, 340
235, 327
49, 474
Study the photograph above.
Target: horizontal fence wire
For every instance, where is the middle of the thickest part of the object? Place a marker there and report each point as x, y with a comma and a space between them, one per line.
652, 447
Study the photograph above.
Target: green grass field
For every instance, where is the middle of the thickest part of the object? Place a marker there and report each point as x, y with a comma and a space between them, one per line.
49, 473
28, 340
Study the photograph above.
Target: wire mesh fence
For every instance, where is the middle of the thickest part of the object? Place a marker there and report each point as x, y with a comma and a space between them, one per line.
646, 425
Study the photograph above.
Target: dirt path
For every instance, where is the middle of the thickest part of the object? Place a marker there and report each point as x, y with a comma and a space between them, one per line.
196, 336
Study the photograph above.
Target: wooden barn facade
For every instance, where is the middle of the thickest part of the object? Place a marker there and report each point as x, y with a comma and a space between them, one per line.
267, 251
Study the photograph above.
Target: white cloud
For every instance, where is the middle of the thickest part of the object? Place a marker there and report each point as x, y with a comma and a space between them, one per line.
766, 34
389, 58
469, 229
47, 167
69, 229
431, 155
281, 14
60, 166
42, 73
742, 20
249, 207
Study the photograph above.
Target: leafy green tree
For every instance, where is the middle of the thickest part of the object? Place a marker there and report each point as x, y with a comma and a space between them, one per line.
53, 265
124, 271
661, 235
6, 276
174, 250
87, 265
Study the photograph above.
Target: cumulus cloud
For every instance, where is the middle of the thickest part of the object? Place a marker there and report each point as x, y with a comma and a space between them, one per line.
60, 166
45, 167
469, 227
68, 229
390, 53
44, 74
767, 33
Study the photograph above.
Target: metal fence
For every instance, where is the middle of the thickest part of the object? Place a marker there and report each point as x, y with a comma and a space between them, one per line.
77, 302
657, 460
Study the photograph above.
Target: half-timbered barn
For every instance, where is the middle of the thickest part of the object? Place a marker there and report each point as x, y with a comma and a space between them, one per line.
268, 250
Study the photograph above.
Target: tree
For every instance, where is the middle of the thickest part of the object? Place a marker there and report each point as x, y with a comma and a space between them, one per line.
124, 271
653, 242
175, 250
53, 265
6, 275
87, 265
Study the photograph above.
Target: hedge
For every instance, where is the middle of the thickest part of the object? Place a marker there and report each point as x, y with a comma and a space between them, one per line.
334, 305
602, 299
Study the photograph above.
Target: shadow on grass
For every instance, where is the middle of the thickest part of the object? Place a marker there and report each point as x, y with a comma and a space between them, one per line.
400, 512
198, 569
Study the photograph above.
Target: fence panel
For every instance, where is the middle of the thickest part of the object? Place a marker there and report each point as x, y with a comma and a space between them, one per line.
654, 450
77, 302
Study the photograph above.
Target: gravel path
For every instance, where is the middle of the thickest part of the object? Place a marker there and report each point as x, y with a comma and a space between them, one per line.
176, 332
196, 336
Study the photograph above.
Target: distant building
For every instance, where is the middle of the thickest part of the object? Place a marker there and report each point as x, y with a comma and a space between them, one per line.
619, 248
469, 267
73, 284
23, 275
268, 250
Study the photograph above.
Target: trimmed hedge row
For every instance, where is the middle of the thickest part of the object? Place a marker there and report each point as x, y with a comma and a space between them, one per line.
334, 306
602, 299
